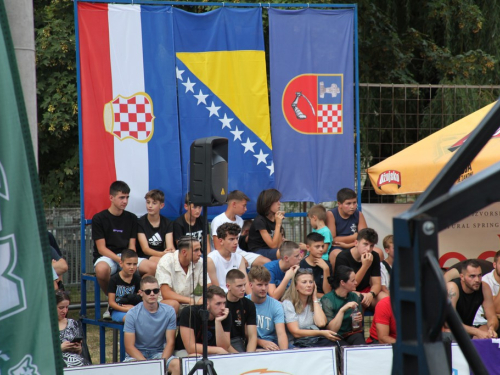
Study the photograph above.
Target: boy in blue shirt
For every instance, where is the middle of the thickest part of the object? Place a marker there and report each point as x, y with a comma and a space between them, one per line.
283, 270
317, 217
271, 333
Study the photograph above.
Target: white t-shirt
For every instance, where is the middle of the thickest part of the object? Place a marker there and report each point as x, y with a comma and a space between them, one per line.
385, 277
222, 266
489, 279
221, 219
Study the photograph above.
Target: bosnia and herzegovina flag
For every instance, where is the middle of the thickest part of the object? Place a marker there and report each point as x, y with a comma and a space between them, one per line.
312, 102
222, 91
128, 104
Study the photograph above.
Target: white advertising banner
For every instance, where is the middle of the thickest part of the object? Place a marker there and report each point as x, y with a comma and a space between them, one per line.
152, 367
373, 359
476, 236
459, 364
285, 362
377, 359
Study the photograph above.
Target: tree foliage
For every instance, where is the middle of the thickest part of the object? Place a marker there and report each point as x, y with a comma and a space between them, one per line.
57, 101
400, 41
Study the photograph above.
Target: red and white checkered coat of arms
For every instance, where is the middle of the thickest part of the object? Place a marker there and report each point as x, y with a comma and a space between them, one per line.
130, 117
312, 103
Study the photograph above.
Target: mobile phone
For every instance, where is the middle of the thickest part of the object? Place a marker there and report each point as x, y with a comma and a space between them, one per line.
76, 339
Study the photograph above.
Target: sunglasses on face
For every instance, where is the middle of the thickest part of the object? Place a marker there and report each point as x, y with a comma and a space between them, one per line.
148, 291
305, 270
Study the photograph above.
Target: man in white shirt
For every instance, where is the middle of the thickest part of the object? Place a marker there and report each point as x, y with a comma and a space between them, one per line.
493, 280
387, 263
236, 207
175, 275
225, 258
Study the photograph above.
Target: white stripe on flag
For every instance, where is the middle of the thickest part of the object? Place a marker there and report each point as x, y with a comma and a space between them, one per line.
127, 70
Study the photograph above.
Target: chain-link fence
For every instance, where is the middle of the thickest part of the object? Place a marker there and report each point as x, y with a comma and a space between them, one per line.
393, 117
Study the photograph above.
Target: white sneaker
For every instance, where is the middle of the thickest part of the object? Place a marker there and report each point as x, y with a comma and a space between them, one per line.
106, 315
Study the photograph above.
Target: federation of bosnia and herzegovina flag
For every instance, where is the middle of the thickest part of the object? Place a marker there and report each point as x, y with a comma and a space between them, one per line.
129, 106
312, 102
222, 91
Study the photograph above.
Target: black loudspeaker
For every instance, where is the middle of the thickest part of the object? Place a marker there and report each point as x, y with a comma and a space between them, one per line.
208, 182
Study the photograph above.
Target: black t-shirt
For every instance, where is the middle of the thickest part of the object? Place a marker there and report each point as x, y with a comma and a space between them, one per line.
468, 303
255, 240
242, 242
115, 230
155, 236
317, 273
182, 228
243, 313
121, 288
190, 317
345, 258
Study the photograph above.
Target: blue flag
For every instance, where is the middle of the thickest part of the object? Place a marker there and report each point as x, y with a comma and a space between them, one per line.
312, 102
222, 91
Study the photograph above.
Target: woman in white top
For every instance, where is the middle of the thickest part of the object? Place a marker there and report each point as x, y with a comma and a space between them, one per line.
304, 315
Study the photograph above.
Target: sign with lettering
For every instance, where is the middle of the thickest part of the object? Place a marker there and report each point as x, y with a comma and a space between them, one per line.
477, 236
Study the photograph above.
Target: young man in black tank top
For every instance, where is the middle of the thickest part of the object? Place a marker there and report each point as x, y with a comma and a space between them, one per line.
468, 293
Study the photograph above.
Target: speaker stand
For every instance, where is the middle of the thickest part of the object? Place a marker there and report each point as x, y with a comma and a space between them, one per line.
204, 364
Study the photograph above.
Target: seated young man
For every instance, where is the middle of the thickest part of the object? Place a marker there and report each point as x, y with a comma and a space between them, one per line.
317, 218
467, 294
283, 270
366, 264
242, 310
190, 223
190, 337
180, 275
271, 330
383, 329
321, 268
493, 280
225, 258
345, 221
59, 266
150, 328
154, 231
386, 264
114, 230
236, 207
123, 286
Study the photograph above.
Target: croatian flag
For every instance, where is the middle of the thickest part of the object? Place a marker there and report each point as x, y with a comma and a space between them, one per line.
129, 106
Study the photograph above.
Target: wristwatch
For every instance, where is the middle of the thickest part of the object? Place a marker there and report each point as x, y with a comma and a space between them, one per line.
373, 294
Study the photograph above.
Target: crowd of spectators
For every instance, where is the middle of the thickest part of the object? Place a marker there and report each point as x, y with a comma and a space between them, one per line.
265, 292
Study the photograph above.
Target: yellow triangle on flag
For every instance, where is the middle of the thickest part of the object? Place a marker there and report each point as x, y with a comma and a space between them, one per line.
238, 78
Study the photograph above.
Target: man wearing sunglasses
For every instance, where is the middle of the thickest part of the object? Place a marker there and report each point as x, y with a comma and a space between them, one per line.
150, 328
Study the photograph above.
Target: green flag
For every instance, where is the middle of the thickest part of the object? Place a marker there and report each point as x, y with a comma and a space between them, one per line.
29, 337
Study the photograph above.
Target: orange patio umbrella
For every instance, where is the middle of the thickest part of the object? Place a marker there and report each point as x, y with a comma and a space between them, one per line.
413, 169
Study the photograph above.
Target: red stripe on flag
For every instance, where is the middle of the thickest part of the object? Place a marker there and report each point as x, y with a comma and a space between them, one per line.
97, 90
